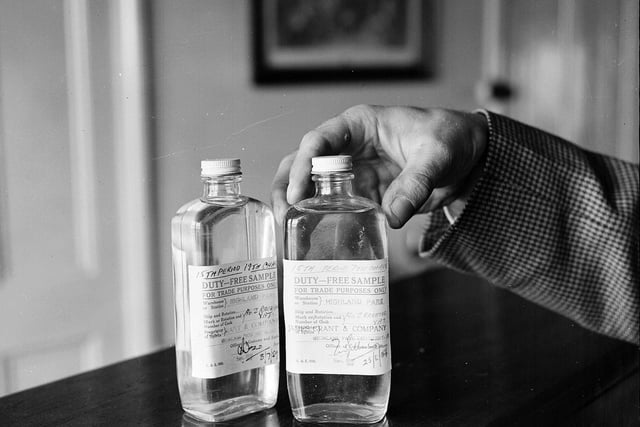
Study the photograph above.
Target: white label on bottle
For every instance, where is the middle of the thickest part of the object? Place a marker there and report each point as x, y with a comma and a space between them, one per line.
337, 317
234, 317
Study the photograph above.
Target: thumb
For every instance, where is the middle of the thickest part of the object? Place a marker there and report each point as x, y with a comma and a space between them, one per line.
409, 191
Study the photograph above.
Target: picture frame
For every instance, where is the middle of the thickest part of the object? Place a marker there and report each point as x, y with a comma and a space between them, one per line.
298, 41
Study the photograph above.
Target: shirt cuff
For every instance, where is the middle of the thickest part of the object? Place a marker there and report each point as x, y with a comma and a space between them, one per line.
448, 215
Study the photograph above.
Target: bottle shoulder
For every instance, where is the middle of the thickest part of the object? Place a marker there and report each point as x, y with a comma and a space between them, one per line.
239, 201
350, 229
198, 209
337, 204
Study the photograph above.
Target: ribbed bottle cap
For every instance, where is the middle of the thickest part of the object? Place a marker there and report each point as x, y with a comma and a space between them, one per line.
324, 164
218, 167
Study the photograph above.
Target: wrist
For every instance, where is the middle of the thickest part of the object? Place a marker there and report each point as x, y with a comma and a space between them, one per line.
479, 136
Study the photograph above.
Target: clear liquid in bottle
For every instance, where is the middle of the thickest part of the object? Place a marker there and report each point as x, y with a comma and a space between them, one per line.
336, 302
226, 301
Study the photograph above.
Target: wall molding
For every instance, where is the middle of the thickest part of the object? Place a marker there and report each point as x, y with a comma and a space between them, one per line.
17, 366
4, 215
81, 135
4, 377
132, 108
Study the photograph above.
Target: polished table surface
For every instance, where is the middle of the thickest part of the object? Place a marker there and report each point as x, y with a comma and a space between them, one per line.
464, 353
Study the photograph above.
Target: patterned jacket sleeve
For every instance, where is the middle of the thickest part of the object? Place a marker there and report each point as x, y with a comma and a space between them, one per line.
553, 223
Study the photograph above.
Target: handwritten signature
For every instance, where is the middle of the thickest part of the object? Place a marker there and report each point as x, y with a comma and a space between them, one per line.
244, 347
345, 346
266, 354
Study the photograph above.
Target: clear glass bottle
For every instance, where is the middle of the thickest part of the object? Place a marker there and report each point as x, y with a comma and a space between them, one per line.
226, 299
336, 301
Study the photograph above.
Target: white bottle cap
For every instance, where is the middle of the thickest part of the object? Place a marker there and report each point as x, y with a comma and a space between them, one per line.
325, 164
217, 167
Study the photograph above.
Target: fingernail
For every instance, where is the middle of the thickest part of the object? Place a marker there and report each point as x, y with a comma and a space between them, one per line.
290, 195
402, 209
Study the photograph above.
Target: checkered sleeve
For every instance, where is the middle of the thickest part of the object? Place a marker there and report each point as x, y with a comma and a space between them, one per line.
553, 223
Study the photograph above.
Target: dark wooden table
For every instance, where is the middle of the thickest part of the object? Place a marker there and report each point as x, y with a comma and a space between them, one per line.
464, 352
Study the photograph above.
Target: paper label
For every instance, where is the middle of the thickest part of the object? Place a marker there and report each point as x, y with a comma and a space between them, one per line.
234, 317
337, 317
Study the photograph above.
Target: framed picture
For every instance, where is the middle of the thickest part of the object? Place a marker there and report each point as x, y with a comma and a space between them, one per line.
328, 40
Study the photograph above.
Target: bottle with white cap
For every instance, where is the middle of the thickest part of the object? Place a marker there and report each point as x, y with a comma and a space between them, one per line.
226, 299
336, 301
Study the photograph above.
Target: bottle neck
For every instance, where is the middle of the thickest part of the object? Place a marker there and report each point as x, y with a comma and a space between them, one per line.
221, 187
333, 184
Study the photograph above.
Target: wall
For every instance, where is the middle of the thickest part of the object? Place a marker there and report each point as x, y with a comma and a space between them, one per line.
65, 294
206, 105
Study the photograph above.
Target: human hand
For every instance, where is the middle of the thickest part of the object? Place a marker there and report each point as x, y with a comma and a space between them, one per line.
408, 159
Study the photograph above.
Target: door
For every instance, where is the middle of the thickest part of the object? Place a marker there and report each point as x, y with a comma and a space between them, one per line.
567, 66
75, 280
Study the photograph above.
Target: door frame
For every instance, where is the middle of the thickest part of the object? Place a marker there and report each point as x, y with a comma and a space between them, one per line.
136, 184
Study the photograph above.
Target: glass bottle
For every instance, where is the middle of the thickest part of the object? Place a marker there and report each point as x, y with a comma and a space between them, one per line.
336, 301
226, 299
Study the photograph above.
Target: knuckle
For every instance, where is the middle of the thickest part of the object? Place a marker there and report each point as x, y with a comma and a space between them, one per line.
360, 110
314, 140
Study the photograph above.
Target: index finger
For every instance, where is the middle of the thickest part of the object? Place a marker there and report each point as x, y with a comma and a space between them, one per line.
332, 137
279, 188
